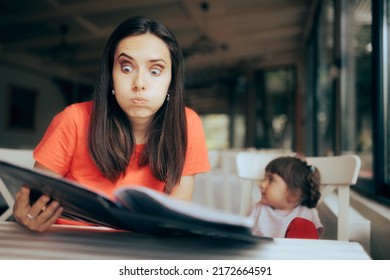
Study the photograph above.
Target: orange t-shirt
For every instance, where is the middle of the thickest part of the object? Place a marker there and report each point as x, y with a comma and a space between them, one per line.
63, 149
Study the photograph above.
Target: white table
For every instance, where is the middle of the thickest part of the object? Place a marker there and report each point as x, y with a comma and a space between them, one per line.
77, 243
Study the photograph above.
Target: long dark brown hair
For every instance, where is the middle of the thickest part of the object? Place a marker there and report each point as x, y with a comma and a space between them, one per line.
299, 176
111, 141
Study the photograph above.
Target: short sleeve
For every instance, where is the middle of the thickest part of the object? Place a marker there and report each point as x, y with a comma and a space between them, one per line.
56, 149
197, 153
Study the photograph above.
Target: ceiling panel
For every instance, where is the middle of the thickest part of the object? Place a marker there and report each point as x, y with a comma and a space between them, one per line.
255, 30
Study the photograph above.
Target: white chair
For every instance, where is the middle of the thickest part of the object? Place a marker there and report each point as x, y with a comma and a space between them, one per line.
22, 157
216, 189
251, 166
209, 193
337, 173
221, 188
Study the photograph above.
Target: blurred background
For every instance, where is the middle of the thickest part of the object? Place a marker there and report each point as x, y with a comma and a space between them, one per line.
308, 76
242, 59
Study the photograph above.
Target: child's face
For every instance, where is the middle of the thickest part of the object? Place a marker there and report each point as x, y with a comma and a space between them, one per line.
275, 193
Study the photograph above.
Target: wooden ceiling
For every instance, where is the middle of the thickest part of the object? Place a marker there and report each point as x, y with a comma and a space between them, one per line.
66, 37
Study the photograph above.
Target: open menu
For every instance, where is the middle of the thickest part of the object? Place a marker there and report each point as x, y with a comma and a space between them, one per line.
135, 208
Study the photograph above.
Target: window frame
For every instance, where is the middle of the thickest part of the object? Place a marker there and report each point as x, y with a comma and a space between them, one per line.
379, 186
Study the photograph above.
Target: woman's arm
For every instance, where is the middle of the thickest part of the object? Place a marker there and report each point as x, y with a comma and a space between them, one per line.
40, 166
185, 189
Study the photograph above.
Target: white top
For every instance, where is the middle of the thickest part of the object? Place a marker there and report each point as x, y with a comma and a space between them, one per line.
270, 222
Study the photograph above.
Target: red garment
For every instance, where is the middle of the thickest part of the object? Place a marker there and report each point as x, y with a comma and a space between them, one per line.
63, 149
301, 228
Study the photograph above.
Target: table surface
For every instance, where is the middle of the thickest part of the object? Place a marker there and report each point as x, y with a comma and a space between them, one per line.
77, 243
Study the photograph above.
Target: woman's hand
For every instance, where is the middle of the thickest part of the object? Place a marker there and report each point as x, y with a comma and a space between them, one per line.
38, 217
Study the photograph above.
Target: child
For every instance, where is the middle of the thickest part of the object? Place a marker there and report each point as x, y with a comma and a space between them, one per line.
289, 193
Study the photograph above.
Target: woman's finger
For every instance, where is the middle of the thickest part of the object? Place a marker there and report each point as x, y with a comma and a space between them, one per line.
47, 217
49, 222
22, 204
40, 216
23, 196
37, 207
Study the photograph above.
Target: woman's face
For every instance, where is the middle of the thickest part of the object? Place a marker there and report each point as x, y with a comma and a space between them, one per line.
141, 74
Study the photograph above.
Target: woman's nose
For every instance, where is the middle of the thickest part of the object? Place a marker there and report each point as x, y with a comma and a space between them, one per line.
138, 87
138, 82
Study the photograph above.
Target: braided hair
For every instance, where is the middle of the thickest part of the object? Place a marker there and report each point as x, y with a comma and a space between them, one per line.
300, 178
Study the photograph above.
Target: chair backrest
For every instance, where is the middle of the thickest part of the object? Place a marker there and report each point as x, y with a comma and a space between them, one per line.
337, 170
213, 158
251, 167
217, 188
337, 173
22, 157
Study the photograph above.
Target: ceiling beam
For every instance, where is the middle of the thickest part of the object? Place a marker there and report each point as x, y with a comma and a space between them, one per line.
80, 8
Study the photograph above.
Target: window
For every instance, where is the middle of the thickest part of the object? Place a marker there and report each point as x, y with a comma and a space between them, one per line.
275, 90
378, 182
347, 75
216, 128
327, 71
358, 106
342, 98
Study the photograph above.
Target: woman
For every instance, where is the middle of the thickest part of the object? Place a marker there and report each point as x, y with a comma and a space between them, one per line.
136, 131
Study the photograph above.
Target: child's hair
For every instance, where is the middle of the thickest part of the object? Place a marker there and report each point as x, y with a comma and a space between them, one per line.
299, 176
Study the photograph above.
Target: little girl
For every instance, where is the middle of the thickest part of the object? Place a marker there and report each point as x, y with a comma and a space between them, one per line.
289, 195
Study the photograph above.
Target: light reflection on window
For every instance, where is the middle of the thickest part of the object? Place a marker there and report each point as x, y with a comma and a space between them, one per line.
216, 128
363, 88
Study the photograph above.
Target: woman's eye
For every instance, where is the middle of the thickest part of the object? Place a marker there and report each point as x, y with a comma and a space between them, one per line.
127, 68
156, 71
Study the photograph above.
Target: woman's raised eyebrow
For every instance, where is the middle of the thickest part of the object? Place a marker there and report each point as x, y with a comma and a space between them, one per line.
151, 60
158, 60
123, 54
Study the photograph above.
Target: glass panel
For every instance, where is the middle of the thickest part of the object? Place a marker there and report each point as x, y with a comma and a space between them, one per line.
279, 88
327, 72
362, 55
309, 106
275, 89
356, 93
216, 128
386, 48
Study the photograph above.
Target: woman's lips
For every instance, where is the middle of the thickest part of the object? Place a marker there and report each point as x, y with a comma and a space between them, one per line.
138, 100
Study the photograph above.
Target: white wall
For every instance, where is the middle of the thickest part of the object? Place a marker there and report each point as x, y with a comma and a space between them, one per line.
359, 226
376, 242
49, 102
379, 215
